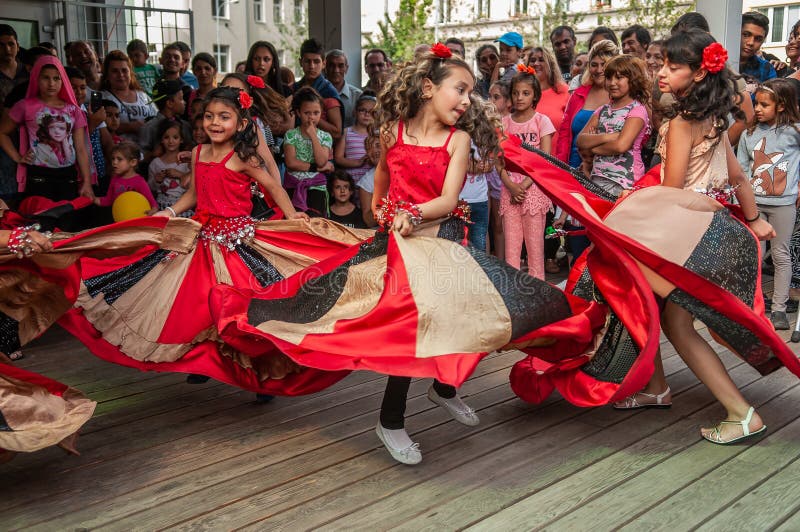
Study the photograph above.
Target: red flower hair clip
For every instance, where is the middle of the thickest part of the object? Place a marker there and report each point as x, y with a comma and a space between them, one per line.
441, 51
527, 69
255, 81
714, 57
245, 100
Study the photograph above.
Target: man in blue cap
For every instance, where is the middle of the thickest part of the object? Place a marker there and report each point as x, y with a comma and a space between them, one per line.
510, 51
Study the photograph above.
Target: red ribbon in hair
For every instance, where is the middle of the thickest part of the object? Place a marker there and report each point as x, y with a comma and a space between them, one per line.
441, 51
527, 69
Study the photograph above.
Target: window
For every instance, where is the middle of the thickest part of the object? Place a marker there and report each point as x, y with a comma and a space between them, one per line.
299, 11
220, 8
781, 20
444, 10
484, 8
277, 11
519, 7
222, 53
258, 10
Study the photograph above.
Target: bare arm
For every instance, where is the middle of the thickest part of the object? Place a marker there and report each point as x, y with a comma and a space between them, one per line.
79, 140
624, 140
546, 143
736, 129
366, 202
339, 155
381, 187
189, 198
273, 188
332, 123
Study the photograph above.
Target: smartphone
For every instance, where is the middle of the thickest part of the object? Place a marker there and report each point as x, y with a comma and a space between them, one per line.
96, 102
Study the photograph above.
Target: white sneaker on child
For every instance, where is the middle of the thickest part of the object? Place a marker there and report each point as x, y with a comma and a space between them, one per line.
405, 454
455, 407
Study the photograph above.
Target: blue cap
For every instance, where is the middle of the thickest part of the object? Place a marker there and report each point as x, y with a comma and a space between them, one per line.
512, 38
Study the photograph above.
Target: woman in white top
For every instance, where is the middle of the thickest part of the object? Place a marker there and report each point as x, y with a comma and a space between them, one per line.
120, 86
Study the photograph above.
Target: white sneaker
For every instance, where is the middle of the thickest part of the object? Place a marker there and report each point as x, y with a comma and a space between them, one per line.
456, 407
411, 455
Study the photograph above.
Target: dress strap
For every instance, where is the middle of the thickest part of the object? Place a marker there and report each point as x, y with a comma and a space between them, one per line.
227, 157
447, 141
399, 132
197, 156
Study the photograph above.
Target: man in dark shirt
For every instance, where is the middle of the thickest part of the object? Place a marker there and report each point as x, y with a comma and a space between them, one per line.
563, 40
756, 69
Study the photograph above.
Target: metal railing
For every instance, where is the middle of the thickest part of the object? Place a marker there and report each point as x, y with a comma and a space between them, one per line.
111, 27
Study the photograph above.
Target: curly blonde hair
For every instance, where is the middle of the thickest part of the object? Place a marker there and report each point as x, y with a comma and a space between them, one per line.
401, 100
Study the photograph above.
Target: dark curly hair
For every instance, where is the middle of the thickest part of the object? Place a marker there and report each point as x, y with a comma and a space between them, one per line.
633, 68
303, 95
245, 141
714, 97
401, 99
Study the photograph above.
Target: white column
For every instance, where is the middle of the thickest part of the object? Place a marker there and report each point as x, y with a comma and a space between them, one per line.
337, 24
725, 23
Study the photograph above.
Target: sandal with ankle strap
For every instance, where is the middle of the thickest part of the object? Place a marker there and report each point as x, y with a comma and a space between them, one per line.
715, 436
645, 400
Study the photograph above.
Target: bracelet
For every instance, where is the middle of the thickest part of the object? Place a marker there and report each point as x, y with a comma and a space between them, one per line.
754, 219
170, 209
20, 242
388, 210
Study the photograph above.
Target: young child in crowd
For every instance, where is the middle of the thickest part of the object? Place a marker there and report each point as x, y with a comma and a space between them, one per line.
500, 97
769, 152
146, 74
522, 205
308, 153
366, 185
698, 156
341, 187
124, 160
350, 153
53, 158
168, 97
112, 122
99, 137
167, 177
199, 135
617, 130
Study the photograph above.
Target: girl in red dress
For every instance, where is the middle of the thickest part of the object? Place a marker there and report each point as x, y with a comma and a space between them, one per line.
413, 301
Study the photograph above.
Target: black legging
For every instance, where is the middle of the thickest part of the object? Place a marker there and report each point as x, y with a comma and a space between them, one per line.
393, 407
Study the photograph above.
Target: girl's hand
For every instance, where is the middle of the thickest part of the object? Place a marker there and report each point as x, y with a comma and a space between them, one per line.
559, 222
299, 216
39, 242
326, 168
28, 158
402, 224
185, 156
86, 190
762, 229
164, 214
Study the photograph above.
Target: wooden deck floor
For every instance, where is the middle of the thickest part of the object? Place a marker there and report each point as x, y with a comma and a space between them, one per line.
160, 453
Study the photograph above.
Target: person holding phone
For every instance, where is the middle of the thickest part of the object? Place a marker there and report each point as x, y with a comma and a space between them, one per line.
99, 137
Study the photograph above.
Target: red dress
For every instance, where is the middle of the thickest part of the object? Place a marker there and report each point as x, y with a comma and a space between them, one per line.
139, 289
417, 306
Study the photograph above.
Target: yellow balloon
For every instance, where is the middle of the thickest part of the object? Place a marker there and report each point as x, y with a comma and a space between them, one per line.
129, 205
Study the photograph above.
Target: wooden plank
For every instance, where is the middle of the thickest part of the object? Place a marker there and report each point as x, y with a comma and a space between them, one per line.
167, 460
715, 490
775, 498
516, 466
270, 482
684, 461
792, 524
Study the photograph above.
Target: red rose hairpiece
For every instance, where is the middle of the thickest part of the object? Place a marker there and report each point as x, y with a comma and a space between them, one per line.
441, 51
255, 81
245, 100
527, 69
714, 57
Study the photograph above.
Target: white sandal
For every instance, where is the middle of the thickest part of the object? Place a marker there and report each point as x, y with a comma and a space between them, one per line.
645, 400
715, 436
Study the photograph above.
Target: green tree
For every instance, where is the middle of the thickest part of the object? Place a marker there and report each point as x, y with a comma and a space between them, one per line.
398, 35
658, 16
556, 14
